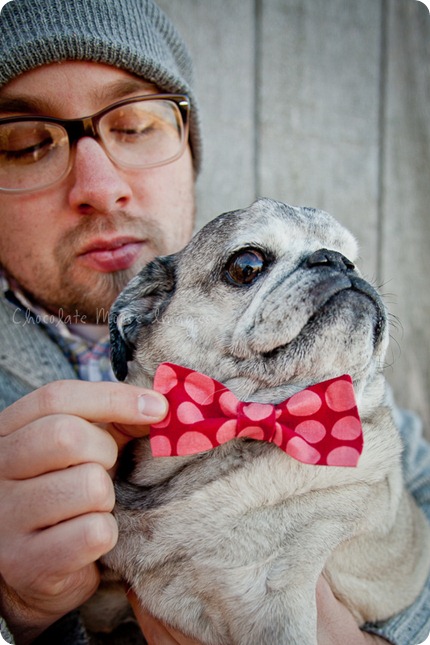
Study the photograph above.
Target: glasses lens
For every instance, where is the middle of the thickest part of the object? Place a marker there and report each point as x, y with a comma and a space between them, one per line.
33, 154
144, 133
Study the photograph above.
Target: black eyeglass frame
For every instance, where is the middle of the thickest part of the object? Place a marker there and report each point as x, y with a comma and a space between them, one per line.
87, 126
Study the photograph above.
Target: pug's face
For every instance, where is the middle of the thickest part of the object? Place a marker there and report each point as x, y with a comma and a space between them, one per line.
266, 300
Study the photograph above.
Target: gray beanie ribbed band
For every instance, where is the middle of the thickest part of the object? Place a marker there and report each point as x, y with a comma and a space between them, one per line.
134, 35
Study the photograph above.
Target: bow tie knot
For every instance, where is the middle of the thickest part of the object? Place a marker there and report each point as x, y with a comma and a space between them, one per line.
252, 420
319, 425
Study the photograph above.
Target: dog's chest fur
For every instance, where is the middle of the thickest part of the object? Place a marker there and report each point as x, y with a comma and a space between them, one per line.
227, 546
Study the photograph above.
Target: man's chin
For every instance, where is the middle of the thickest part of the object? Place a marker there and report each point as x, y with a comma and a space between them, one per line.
81, 304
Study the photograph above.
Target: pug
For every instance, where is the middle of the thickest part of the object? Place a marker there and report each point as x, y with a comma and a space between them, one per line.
226, 544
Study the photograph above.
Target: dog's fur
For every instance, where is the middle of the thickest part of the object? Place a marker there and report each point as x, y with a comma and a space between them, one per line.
227, 546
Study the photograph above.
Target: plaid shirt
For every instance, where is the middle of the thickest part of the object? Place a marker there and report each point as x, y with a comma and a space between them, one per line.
90, 359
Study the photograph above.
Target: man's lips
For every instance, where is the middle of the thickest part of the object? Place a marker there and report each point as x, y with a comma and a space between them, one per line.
107, 256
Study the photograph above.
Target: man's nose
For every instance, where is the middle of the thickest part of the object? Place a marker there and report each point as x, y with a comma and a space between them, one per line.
97, 184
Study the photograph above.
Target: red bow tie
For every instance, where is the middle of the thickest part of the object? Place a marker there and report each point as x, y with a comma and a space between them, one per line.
319, 425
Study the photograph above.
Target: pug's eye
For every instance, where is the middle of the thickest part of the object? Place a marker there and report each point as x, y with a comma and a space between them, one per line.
245, 267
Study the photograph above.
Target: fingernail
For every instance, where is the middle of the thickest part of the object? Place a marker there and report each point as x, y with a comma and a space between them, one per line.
151, 406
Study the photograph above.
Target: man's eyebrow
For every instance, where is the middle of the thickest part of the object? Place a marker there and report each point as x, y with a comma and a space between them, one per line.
101, 95
23, 105
123, 87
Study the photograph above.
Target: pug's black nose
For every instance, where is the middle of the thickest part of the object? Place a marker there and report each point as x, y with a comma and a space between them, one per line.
325, 257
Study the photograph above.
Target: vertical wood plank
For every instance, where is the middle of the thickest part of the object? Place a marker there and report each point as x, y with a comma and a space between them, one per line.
319, 118
220, 36
405, 257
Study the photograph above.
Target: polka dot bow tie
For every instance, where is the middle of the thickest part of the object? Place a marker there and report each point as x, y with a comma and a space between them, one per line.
319, 425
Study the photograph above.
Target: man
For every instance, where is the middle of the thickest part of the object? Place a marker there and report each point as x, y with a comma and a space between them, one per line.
82, 208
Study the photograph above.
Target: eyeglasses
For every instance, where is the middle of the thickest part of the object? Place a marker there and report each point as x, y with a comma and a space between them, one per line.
141, 132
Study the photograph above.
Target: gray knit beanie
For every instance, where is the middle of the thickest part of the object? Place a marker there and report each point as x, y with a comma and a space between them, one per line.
134, 35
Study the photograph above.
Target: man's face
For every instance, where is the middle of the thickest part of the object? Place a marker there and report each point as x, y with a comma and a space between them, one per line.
75, 245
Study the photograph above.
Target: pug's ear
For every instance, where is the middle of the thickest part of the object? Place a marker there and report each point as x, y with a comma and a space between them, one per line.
141, 303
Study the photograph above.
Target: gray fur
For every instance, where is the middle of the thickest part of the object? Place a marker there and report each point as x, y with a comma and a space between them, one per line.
227, 546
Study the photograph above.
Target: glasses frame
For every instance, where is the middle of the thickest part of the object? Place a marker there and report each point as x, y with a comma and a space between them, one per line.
88, 126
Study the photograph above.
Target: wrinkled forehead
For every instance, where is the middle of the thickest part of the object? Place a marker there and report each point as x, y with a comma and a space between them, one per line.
275, 227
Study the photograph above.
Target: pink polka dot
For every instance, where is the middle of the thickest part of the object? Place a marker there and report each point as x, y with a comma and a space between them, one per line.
165, 379
299, 449
193, 442
228, 403
161, 446
227, 431
304, 403
339, 396
189, 413
312, 431
164, 423
348, 428
279, 435
200, 388
343, 456
257, 411
253, 432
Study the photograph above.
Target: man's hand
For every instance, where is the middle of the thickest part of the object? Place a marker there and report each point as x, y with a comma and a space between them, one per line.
57, 445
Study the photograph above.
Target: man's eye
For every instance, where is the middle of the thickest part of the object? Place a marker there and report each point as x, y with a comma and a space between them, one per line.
29, 154
137, 130
131, 131
245, 267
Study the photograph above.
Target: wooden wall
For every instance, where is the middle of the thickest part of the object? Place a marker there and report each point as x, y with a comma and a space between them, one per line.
327, 103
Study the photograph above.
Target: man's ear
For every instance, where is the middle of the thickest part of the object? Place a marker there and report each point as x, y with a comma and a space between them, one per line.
141, 302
